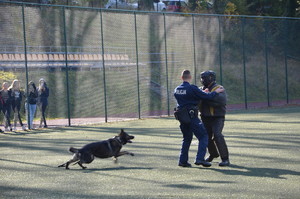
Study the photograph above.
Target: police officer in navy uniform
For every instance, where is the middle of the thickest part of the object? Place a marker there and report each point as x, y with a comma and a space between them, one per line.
188, 97
213, 117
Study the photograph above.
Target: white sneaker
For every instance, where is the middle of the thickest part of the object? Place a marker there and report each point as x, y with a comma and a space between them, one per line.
23, 127
15, 128
6, 129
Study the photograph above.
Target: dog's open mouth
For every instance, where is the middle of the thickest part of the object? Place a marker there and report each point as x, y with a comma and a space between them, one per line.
130, 138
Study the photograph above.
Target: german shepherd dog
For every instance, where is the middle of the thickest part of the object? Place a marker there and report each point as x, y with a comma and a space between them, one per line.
103, 149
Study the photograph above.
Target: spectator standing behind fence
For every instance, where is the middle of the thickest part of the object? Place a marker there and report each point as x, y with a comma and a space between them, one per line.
1, 106
188, 97
31, 99
213, 117
17, 96
43, 94
6, 105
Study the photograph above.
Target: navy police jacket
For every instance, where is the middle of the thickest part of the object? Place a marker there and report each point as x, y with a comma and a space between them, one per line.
190, 95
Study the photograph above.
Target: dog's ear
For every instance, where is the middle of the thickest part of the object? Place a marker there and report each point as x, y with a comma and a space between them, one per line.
122, 132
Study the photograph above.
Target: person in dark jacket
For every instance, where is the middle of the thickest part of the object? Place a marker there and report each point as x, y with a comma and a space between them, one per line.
1, 106
17, 96
31, 101
213, 117
188, 97
43, 94
6, 105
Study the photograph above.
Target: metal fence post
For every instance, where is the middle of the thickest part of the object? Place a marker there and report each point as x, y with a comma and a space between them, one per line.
166, 57
286, 26
267, 61
220, 51
26, 63
194, 48
137, 66
244, 63
103, 64
67, 67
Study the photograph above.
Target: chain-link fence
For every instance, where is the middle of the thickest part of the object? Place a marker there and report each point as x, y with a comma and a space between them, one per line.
122, 64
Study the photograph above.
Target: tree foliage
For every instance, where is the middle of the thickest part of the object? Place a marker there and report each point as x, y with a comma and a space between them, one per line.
146, 4
7, 76
286, 8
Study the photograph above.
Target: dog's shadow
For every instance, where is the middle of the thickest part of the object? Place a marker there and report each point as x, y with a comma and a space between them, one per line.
115, 169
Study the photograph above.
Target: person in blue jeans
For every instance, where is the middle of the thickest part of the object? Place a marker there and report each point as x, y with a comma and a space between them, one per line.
43, 94
188, 97
31, 101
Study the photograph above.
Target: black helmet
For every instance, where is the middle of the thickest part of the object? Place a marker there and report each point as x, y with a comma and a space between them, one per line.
207, 77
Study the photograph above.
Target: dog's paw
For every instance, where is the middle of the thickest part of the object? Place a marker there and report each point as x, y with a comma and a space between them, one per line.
115, 160
132, 154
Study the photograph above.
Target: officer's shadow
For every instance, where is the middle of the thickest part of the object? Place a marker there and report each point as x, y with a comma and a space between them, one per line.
234, 169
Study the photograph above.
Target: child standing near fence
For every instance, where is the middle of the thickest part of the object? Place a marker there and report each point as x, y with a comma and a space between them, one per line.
43, 94
30, 105
1, 106
17, 96
6, 105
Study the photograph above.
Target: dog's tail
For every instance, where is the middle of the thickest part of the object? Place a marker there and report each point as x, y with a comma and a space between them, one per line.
73, 150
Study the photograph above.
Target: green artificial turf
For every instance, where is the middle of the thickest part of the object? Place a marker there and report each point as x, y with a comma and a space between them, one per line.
263, 144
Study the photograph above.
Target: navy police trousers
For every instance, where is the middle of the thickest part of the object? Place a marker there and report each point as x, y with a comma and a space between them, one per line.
198, 129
